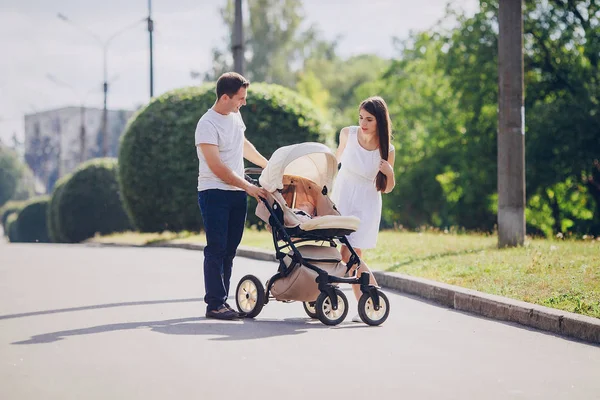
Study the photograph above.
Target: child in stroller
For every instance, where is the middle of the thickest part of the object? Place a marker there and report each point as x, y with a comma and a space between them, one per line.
298, 211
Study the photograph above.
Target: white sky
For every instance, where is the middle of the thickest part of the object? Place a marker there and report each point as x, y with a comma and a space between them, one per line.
35, 43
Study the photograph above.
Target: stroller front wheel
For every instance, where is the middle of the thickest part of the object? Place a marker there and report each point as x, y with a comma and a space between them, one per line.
370, 314
325, 311
250, 296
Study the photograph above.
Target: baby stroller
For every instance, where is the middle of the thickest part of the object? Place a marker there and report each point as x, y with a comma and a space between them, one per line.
305, 226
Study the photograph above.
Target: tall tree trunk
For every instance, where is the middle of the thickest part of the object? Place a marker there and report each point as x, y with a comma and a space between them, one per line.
554, 206
593, 185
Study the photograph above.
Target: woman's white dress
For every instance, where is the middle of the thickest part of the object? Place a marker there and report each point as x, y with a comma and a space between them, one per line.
354, 191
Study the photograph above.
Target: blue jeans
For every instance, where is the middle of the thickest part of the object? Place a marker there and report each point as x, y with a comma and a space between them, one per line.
224, 216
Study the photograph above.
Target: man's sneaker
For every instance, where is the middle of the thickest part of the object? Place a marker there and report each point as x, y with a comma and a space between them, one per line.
222, 313
239, 313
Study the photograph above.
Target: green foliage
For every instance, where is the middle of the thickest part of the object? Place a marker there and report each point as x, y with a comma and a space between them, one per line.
342, 83
561, 100
9, 175
52, 218
90, 202
12, 228
443, 96
275, 41
9, 208
561, 207
31, 221
430, 138
310, 86
158, 164
343, 77
563, 91
16, 179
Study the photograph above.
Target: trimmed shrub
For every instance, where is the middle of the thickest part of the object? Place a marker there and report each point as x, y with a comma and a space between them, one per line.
31, 221
90, 202
52, 220
9, 208
12, 228
16, 179
158, 165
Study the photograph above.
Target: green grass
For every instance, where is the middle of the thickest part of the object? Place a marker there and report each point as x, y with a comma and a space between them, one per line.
559, 274
563, 274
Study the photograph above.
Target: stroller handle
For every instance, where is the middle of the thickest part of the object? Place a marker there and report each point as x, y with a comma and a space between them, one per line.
253, 171
248, 172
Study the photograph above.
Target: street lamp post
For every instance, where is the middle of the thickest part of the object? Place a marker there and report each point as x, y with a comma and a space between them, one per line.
104, 44
511, 125
150, 30
238, 39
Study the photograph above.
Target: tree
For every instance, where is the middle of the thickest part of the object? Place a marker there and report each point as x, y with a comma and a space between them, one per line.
561, 101
9, 175
443, 96
341, 77
16, 179
429, 134
562, 56
275, 44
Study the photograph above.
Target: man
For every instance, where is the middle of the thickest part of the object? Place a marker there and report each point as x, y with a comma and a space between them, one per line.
221, 147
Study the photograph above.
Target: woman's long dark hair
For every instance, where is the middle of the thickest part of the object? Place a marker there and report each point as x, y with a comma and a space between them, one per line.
377, 107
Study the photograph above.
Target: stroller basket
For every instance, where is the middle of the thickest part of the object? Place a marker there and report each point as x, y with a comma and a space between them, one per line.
300, 284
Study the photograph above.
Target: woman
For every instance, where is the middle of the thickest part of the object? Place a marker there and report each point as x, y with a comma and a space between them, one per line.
367, 159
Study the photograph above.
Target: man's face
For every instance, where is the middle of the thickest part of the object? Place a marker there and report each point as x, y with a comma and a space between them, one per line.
238, 100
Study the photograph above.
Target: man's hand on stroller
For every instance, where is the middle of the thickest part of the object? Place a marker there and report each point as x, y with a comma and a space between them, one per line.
256, 192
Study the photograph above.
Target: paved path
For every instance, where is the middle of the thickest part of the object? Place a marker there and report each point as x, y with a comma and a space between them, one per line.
80, 322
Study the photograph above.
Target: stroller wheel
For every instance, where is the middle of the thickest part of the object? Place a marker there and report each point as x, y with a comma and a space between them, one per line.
309, 308
250, 296
367, 311
325, 311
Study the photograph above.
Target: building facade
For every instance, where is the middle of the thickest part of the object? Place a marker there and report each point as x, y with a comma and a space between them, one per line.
57, 141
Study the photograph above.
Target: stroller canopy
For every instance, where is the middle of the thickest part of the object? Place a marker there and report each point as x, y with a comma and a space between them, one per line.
313, 161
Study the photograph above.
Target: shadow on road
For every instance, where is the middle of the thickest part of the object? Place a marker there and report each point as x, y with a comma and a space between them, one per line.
245, 329
98, 306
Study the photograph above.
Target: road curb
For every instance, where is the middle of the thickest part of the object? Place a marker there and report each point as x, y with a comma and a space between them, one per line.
500, 308
547, 319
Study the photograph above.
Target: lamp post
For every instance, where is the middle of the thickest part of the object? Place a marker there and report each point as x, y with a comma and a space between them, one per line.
238, 39
104, 44
511, 125
150, 30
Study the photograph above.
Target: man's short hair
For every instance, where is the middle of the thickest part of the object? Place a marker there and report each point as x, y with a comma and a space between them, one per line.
229, 83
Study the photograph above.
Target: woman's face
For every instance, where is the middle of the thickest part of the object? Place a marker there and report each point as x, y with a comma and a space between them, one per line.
367, 122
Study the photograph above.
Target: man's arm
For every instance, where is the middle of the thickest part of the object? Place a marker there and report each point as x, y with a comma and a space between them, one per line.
224, 173
252, 155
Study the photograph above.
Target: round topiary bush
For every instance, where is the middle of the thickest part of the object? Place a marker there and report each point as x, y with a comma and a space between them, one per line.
158, 165
90, 202
31, 222
12, 228
8, 208
52, 219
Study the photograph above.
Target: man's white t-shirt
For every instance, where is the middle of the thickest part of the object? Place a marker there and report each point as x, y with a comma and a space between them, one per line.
227, 132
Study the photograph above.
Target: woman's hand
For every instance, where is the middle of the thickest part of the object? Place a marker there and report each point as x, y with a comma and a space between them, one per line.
385, 168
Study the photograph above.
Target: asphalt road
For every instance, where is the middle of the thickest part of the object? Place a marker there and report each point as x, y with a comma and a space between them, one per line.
81, 322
